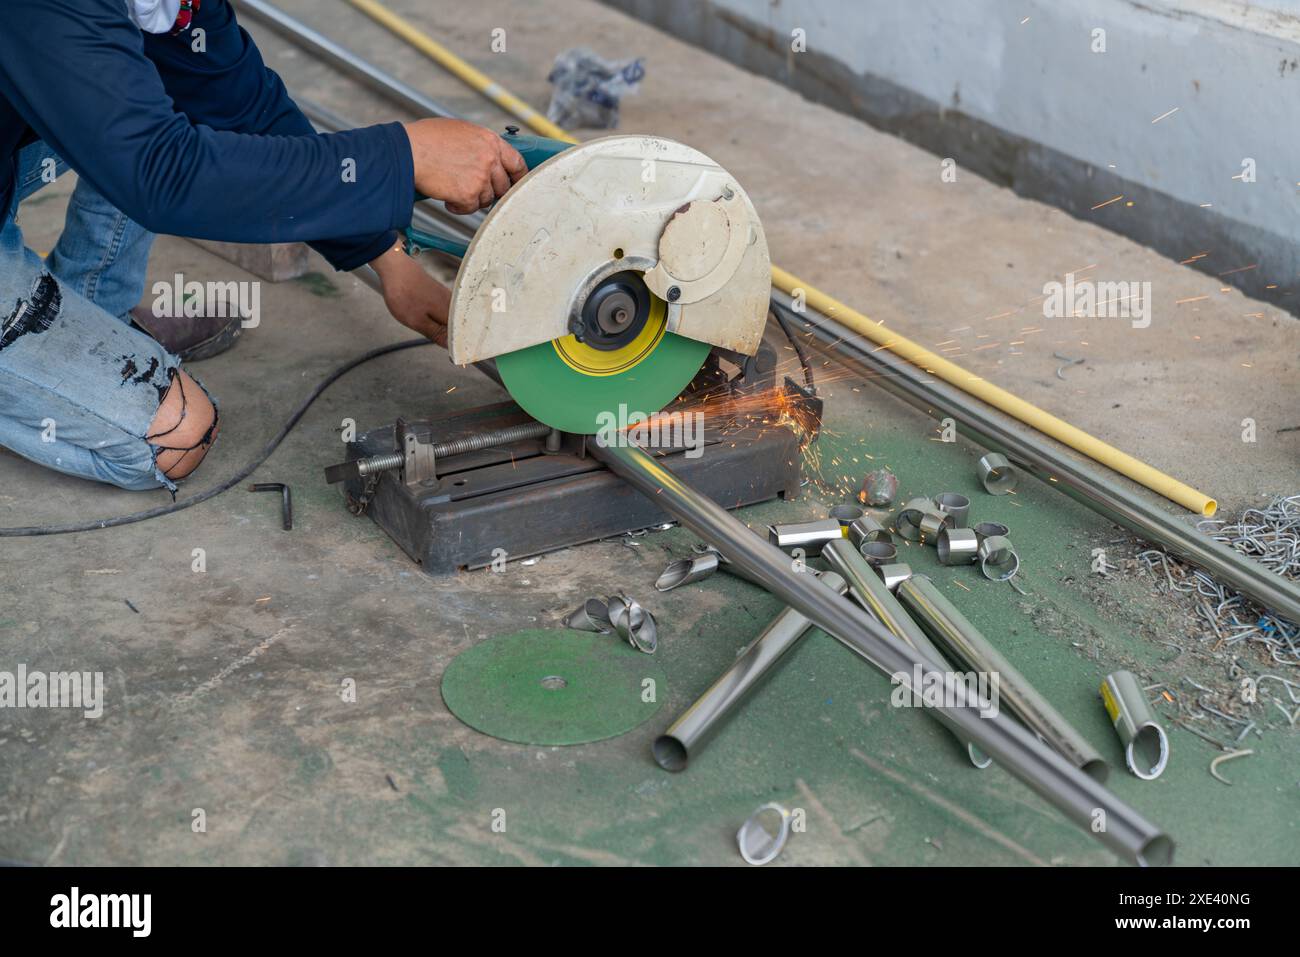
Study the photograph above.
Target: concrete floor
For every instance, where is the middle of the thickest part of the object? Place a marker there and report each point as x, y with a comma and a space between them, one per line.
223, 690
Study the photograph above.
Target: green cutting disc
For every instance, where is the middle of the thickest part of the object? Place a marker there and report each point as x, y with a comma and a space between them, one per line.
562, 384
553, 687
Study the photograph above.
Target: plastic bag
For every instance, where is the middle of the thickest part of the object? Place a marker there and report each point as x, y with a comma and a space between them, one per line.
588, 88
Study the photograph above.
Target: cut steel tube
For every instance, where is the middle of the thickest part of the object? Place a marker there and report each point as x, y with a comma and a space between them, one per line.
999, 560
846, 513
1146, 749
893, 575
686, 571
865, 586
988, 529
908, 519
867, 529
957, 546
870, 592
810, 536
997, 475
956, 505
1102, 492
684, 738
1013, 747
879, 553
932, 523
962, 641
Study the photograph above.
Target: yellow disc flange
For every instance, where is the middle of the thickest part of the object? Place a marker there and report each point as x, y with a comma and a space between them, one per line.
601, 362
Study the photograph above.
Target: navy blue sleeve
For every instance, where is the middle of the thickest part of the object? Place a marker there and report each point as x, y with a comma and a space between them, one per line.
77, 72
227, 86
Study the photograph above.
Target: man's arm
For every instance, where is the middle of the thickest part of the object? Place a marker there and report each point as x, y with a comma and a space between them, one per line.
227, 86
79, 75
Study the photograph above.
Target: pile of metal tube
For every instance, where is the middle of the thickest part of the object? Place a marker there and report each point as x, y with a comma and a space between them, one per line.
998, 737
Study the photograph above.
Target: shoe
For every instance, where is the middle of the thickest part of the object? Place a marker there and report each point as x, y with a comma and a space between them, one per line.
190, 338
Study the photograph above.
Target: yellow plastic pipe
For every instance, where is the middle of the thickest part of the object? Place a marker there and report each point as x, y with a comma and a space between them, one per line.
1065, 433
445, 58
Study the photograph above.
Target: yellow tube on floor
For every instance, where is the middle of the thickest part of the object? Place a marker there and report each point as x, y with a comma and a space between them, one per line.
1065, 433
449, 61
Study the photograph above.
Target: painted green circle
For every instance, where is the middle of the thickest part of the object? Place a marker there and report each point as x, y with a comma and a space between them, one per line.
552, 687
554, 393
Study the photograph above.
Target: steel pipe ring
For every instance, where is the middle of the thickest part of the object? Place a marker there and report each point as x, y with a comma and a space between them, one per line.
846, 513
998, 559
893, 575
908, 519
957, 546
956, 505
997, 475
989, 529
879, 553
932, 523
687, 570
867, 529
757, 844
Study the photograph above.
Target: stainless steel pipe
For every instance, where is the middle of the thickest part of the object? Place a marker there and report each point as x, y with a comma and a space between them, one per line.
865, 586
1013, 747
956, 636
1100, 491
674, 748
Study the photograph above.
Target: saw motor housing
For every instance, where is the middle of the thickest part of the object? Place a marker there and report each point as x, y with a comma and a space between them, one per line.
602, 277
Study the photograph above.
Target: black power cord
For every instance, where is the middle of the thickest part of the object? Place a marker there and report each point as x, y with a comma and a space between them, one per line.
235, 479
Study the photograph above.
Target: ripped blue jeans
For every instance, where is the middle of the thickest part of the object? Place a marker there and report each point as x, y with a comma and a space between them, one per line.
79, 385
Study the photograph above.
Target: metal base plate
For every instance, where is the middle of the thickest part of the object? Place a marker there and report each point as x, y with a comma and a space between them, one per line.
552, 687
516, 501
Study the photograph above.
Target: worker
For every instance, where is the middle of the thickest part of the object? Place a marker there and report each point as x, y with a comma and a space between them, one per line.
173, 124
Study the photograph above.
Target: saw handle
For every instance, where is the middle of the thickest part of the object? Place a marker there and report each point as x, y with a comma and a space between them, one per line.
534, 149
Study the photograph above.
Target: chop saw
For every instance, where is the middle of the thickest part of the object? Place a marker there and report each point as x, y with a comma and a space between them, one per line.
615, 278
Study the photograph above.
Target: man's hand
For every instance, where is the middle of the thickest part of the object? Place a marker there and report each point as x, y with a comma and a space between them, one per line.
416, 299
466, 166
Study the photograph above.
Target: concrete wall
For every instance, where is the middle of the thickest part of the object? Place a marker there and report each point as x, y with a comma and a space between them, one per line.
1035, 106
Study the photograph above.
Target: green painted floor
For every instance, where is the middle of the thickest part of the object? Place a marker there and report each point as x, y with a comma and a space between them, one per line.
882, 786
226, 696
